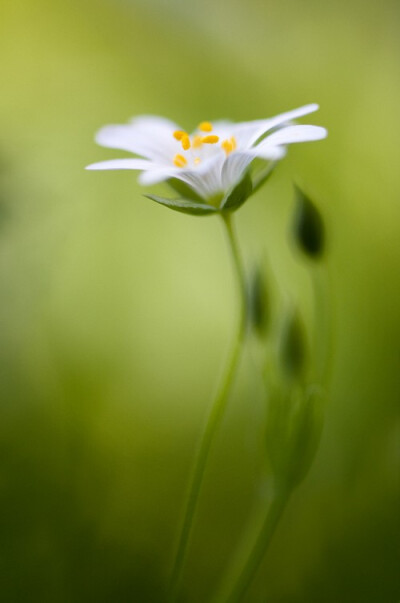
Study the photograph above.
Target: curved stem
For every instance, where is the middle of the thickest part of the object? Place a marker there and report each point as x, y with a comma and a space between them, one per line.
214, 418
264, 537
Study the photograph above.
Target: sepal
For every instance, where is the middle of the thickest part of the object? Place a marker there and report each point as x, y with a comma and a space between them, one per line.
184, 190
238, 195
185, 206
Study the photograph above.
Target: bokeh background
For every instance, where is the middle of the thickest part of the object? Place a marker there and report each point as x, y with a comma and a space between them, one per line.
116, 314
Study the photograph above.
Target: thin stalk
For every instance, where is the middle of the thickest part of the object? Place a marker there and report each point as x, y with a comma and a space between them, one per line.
214, 418
261, 544
323, 324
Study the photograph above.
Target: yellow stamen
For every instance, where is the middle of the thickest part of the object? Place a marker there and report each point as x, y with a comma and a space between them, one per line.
185, 141
205, 126
197, 141
210, 139
227, 146
179, 160
179, 134
197, 160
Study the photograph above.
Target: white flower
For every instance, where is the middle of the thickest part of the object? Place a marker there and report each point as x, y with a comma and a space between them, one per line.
213, 159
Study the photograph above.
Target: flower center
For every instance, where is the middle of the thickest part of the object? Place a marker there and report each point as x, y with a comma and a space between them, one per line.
198, 140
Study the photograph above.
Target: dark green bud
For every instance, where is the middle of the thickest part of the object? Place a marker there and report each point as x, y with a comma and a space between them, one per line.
259, 303
308, 227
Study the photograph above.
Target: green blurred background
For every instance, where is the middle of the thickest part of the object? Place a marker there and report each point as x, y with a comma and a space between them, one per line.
116, 314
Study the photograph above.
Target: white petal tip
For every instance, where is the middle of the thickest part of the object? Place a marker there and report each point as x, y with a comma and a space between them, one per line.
310, 108
320, 133
108, 136
121, 164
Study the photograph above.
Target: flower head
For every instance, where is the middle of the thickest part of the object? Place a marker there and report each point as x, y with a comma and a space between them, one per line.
210, 165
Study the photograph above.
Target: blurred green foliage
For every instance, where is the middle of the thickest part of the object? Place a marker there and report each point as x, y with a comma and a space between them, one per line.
116, 314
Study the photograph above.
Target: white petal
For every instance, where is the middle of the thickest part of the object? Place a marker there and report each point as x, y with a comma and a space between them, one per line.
207, 176
236, 163
189, 177
268, 153
117, 137
221, 128
222, 124
204, 179
154, 176
154, 136
152, 124
247, 133
292, 134
282, 118
122, 164
234, 167
150, 137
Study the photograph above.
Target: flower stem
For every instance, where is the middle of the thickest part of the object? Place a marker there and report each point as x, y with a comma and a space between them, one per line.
323, 324
214, 418
278, 504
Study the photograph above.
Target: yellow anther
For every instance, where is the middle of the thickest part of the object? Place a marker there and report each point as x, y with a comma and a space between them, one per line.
210, 139
179, 134
179, 160
205, 126
197, 141
185, 142
227, 146
197, 160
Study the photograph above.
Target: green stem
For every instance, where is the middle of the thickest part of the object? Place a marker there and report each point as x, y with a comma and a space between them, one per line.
323, 324
214, 418
261, 544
